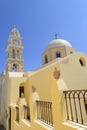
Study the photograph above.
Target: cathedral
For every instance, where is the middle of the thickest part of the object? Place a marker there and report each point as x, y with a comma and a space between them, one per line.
53, 97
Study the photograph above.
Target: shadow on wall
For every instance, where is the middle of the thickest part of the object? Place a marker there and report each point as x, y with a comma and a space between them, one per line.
2, 127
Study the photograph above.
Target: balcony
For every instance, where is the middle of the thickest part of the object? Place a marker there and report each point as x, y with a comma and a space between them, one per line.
44, 112
26, 113
76, 106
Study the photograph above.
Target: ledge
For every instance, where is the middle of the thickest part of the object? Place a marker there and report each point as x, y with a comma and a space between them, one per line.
17, 123
27, 122
75, 125
46, 126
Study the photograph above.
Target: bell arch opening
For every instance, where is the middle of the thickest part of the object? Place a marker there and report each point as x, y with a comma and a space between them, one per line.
15, 67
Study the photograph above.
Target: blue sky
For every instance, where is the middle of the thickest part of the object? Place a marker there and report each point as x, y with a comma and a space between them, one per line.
38, 21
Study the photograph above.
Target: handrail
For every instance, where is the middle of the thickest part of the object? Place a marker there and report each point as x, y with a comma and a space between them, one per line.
44, 112
76, 105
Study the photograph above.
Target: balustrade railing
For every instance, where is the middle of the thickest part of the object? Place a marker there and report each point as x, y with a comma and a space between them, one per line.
26, 113
76, 105
44, 112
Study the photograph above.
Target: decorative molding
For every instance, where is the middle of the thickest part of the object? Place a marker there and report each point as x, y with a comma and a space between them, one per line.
33, 89
56, 73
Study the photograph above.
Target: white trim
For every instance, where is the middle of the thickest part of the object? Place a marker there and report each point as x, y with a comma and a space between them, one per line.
48, 127
26, 122
76, 125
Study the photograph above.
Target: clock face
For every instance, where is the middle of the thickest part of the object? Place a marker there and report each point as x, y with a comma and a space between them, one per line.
16, 41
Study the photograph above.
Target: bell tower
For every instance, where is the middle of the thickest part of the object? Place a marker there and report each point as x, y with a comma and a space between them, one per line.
14, 51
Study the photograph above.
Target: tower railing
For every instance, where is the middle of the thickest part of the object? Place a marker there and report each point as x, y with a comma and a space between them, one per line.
76, 106
44, 112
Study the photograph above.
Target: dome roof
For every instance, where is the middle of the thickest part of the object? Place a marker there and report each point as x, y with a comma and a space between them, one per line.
58, 43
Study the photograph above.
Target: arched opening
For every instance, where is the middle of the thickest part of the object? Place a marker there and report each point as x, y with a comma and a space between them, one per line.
14, 67
13, 53
82, 61
71, 52
46, 59
21, 91
58, 54
18, 56
8, 55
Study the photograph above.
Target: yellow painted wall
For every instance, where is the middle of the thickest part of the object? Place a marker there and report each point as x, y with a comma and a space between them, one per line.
51, 54
73, 76
42, 81
14, 87
47, 53
54, 50
69, 50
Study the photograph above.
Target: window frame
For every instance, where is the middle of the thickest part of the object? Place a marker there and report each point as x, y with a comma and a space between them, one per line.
58, 54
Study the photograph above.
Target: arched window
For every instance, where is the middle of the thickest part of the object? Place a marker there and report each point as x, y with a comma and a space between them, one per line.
14, 67
58, 54
46, 59
13, 52
18, 54
71, 52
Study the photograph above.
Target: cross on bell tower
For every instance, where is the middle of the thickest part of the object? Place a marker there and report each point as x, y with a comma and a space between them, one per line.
56, 36
14, 50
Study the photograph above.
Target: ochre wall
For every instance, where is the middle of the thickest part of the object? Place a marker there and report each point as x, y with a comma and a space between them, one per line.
51, 53
42, 81
74, 75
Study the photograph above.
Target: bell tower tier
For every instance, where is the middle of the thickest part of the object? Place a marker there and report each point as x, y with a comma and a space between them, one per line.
14, 51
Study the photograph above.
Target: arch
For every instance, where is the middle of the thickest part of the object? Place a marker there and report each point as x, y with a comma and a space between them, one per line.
71, 52
13, 54
15, 67
18, 54
58, 54
22, 90
46, 59
8, 55
82, 61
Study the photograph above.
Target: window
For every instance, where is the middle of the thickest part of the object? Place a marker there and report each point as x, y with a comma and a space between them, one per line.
21, 91
16, 41
13, 54
14, 67
46, 59
26, 113
58, 54
18, 54
71, 52
82, 61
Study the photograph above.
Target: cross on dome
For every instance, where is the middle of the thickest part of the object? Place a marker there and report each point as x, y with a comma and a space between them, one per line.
56, 36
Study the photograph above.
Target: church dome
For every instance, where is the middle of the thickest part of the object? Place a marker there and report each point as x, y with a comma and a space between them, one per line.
58, 43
